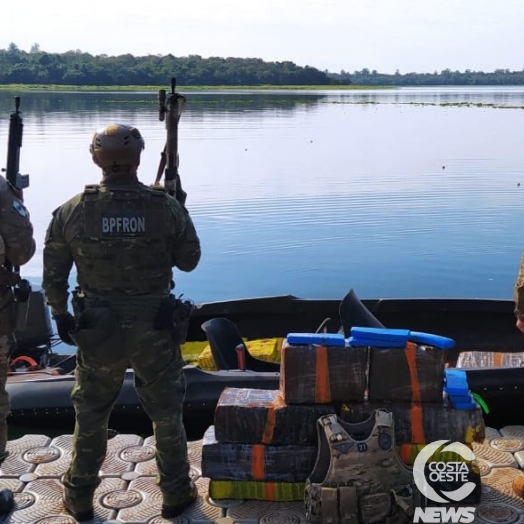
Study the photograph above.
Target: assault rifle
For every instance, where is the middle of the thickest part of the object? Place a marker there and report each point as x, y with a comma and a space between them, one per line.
16, 130
9, 274
169, 109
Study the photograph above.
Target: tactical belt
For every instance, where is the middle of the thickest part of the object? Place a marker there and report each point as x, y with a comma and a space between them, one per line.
132, 307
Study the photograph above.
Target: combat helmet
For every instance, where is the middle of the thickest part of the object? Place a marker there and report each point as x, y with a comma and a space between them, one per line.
117, 148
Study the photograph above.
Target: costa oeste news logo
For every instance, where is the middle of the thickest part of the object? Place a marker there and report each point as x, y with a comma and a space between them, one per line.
436, 471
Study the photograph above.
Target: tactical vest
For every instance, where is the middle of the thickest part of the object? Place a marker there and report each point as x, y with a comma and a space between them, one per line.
122, 247
358, 477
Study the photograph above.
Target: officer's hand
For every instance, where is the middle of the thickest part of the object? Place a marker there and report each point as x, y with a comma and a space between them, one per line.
181, 195
65, 324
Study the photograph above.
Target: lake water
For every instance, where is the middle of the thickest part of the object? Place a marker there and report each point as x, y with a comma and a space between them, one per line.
412, 192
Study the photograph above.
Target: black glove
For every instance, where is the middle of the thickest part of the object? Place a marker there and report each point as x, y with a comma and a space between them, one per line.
65, 324
181, 195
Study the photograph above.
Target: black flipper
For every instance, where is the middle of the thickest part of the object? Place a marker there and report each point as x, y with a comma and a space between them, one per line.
353, 313
224, 337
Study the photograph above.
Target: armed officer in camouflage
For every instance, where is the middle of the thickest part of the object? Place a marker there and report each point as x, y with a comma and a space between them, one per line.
519, 296
17, 246
124, 238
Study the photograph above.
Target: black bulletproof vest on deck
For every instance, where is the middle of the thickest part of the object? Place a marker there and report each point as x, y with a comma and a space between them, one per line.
123, 248
358, 477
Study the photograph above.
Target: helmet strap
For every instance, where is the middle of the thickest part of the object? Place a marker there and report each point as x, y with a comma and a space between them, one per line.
119, 170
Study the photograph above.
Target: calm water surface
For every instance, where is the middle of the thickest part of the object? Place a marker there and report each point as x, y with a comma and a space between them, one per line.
398, 193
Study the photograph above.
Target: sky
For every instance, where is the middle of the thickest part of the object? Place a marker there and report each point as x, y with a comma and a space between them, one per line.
385, 35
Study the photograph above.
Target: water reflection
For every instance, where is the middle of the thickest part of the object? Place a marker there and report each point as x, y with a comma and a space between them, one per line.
403, 192
198, 102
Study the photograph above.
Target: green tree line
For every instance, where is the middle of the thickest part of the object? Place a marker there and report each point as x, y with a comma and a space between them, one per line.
442, 78
78, 68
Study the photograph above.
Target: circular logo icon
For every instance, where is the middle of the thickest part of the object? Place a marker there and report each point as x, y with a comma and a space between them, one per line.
19, 208
425, 469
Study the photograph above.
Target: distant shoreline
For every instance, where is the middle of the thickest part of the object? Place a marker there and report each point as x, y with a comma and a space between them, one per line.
47, 87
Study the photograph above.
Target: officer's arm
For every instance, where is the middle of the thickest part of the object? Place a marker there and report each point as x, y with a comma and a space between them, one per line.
58, 262
15, 227
185, 253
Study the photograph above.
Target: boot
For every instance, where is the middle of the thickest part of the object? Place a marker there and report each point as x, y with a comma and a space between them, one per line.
6, 501
170, 512
80, 509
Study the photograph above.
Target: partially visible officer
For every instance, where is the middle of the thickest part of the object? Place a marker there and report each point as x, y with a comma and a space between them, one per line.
124, 238
17, 246
519, 296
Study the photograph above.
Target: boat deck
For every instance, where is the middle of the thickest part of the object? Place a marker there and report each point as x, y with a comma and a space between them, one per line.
128, 493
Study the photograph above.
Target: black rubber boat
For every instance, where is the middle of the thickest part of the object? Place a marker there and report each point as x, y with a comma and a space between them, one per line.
42, 377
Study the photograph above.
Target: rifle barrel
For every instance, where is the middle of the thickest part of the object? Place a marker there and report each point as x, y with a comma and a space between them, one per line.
16, 130
161, 104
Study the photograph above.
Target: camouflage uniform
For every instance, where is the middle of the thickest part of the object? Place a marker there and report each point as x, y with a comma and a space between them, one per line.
123, 238
16, 233
519, 292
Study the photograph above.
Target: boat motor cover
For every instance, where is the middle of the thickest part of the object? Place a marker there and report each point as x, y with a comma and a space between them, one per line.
38, 329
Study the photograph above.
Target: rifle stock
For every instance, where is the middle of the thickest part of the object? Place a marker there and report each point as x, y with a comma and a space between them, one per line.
169, 110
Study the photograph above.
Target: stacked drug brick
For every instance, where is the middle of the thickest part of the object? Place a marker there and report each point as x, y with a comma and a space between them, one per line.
260, 448
268, 439
263, 444
407, 376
